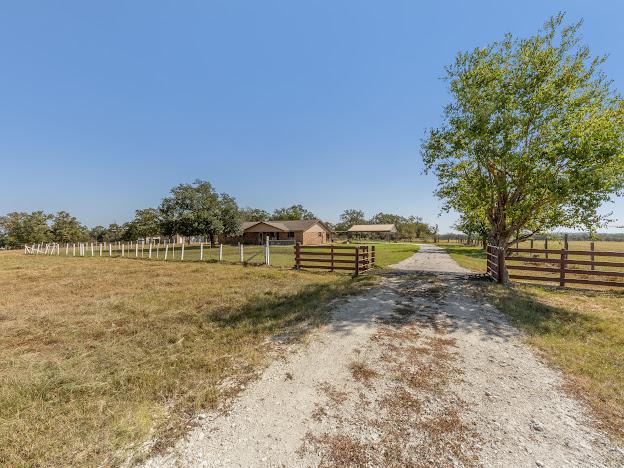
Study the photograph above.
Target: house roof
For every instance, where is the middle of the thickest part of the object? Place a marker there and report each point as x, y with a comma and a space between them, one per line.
291, 225
372, 228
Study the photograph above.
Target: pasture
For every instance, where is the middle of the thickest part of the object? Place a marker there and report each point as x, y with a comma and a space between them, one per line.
98, 355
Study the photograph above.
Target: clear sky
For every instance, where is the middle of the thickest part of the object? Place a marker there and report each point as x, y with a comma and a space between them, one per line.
104, 106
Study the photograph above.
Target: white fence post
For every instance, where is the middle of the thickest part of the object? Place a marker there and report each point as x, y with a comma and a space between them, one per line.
136, 249
201, 251
110, 249
267, 252
166, 250
67, 249
142, 248
242, 255
92, 253
123, 248
73, 250
100, 249
150, 250
173, 251
182, 256
157, 250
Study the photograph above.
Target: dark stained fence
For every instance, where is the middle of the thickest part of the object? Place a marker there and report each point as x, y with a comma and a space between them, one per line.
356, 259
495, 263
562, 266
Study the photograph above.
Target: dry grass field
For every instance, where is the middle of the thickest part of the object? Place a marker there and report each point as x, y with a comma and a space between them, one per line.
98, 355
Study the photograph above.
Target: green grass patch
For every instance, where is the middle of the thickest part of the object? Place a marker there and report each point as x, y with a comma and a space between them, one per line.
470, 257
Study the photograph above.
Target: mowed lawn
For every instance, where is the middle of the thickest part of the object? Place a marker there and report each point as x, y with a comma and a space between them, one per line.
98, 355
580, 331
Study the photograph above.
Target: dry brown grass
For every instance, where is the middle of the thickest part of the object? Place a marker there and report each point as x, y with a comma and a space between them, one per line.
583, 333
362, 373
97, 355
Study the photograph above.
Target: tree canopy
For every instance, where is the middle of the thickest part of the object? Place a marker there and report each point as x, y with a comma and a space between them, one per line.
533, 137
294, 212
196, 209
66, 228
255, 214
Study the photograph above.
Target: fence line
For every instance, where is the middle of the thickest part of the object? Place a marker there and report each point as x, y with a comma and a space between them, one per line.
357, 259
558, 264
255, 254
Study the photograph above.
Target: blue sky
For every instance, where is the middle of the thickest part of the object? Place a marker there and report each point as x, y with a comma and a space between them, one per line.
104, 106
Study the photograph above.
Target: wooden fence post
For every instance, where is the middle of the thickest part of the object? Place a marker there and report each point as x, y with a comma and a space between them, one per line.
372, 255
593, 257
500, 267
565, 242
357, 261
297, 255
331, 252
564, 255
546, 245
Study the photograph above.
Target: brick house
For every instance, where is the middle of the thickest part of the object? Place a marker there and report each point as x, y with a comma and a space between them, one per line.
307, 232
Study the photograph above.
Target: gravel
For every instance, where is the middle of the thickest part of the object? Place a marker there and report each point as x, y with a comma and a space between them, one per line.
510, 405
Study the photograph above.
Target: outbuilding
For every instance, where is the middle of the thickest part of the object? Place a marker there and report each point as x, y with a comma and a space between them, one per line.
386, 231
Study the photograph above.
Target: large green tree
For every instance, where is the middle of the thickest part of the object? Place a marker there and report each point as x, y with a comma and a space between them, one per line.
146, 223
66, 228
18, 228
533, 137
196, 209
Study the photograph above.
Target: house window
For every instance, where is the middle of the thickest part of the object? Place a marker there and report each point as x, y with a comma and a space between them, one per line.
320, 234
291, 234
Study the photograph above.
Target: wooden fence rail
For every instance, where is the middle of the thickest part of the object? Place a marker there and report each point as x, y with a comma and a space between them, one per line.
357, 259
558, 263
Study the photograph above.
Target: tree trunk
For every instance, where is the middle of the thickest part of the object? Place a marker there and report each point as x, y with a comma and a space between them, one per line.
500, 240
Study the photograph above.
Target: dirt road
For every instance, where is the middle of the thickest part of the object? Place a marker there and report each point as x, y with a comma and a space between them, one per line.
418, 371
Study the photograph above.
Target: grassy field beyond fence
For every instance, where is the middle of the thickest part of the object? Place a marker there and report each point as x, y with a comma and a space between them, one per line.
99, 354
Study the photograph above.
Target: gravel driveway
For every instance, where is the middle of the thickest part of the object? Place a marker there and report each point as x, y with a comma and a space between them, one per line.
418, 371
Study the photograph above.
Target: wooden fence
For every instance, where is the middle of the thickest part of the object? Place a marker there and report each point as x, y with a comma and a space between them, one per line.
495, 263
357, 259
562, 266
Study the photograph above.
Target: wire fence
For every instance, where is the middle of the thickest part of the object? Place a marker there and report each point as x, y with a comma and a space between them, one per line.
267, 254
